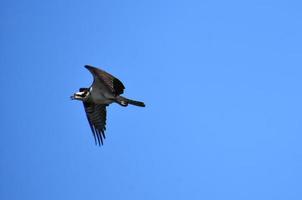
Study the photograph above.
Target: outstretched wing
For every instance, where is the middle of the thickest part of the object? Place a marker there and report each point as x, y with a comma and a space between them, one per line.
104, 80
96, 115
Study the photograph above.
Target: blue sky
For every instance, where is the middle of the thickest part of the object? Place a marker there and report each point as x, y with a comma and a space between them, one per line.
221, 81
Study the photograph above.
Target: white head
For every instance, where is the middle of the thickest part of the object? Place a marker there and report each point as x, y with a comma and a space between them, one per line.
82, 95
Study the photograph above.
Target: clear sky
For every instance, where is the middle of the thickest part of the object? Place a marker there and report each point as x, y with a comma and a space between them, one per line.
221, 81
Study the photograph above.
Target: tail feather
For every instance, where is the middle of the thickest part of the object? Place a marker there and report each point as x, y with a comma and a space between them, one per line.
136, 103
124, 102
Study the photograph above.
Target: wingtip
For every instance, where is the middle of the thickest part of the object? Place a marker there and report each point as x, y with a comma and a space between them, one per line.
88, 66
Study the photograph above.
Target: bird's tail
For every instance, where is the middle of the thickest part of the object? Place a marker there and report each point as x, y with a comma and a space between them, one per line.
124, 102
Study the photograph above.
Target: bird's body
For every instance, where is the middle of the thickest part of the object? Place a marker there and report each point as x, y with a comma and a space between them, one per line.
100, 96
104, 90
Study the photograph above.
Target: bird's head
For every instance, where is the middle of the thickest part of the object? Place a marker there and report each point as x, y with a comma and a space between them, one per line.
82, 95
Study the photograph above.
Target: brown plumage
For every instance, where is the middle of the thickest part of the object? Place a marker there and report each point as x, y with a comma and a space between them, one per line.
115, 85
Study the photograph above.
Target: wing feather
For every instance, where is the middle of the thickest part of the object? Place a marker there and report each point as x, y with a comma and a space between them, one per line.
102, 78
96, 115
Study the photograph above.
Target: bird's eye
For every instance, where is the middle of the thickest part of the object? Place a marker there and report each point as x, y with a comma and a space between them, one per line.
84, 94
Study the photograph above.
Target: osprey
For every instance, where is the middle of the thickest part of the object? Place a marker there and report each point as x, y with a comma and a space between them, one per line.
105, 89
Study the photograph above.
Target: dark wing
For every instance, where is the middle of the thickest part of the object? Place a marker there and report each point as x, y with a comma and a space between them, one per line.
96, 115
102, 78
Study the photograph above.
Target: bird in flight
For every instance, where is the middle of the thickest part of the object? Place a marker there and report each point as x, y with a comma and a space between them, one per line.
105, 89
